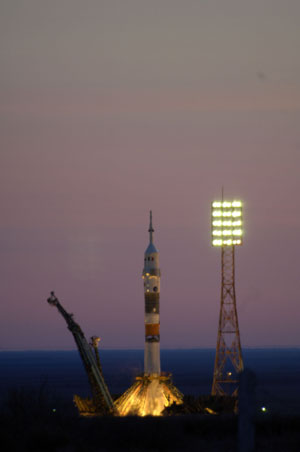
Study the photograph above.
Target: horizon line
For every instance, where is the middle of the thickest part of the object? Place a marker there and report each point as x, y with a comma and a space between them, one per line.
250, 347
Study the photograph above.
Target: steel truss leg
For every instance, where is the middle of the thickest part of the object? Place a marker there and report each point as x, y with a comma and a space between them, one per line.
228, 361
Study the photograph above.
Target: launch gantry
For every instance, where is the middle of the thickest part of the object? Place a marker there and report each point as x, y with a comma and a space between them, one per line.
102, 402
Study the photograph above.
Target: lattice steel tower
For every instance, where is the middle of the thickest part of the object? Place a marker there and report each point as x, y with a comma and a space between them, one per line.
227, 233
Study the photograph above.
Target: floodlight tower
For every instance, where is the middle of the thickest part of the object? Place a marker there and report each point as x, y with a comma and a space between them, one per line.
227, 233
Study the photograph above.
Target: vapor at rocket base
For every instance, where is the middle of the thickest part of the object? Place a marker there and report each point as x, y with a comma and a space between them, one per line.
151, 277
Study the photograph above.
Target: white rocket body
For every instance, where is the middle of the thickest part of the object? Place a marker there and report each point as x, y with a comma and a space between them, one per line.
151, 277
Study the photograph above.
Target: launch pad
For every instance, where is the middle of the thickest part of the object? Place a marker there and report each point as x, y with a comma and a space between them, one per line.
149, 396
153, 391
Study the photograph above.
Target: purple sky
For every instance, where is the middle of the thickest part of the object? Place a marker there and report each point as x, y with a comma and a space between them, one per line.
110, 108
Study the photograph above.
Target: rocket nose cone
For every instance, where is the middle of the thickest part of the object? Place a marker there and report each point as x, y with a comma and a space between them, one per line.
151, 249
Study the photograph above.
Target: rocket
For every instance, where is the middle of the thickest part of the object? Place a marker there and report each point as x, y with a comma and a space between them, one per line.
151, 277
152, 391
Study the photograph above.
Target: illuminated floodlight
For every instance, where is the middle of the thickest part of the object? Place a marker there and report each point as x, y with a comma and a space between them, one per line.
217, 242
227, 223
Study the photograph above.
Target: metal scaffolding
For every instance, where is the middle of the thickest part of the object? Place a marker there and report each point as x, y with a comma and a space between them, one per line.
228, 361
102, 402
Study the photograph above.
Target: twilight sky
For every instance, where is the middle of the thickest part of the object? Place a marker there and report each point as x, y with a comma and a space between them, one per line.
112, 107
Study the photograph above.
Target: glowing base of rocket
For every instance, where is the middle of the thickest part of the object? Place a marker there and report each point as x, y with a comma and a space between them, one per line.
149, 396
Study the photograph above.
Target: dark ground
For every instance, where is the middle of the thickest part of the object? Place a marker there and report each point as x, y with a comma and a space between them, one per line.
29, 422
37, 413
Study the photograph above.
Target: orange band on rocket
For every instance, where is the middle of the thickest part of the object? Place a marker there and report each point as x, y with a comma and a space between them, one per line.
152, 329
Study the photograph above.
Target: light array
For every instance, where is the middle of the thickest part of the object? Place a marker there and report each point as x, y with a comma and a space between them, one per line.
227, 223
